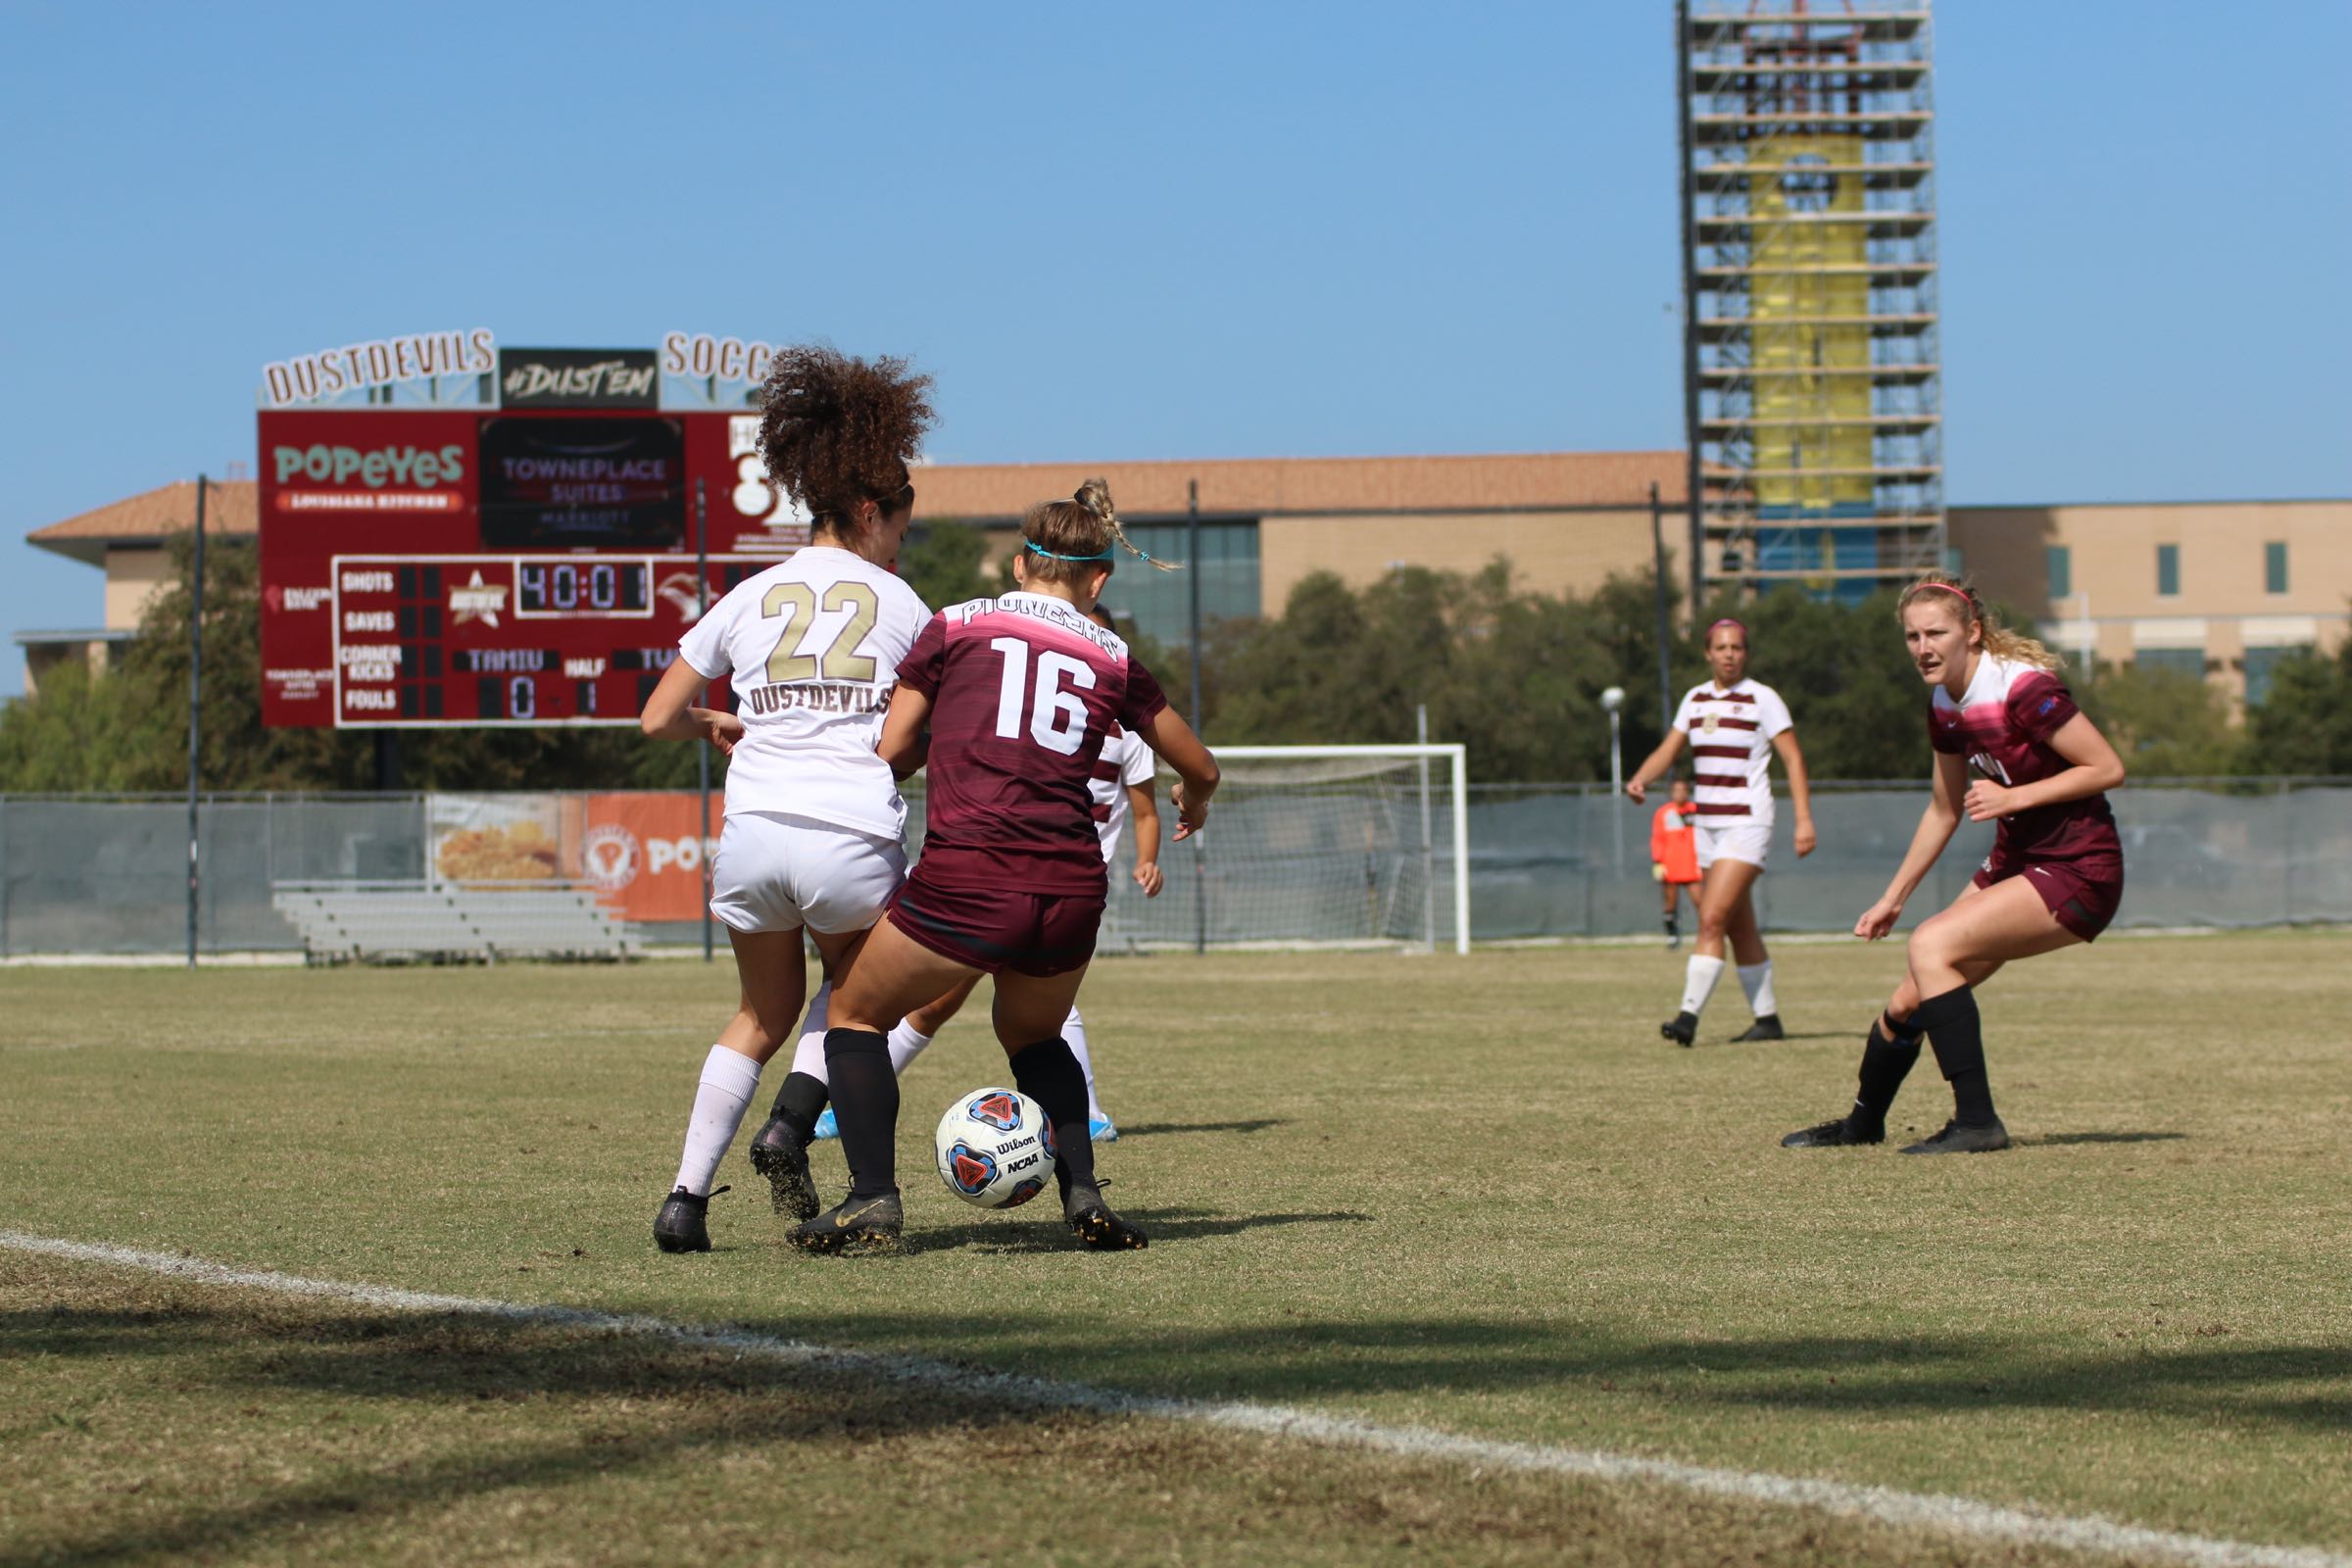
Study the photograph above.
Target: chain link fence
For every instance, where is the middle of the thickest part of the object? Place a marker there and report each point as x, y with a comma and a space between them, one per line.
93, 875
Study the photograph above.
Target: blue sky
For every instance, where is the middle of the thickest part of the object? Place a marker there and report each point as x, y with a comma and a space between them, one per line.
1119, 232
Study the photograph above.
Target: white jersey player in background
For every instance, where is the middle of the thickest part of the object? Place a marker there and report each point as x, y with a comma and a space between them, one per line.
1122, 782
814, 839
1732, 726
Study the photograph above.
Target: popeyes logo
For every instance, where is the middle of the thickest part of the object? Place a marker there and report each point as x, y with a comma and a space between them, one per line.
609, 857
644, 853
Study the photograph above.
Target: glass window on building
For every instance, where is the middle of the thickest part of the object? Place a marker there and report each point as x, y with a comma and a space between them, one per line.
2274, 566
1160, 601
2187, 661
2168, 570
2062, 571
2261, 663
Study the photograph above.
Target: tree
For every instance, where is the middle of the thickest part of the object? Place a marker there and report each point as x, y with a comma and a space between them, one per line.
1516, 676
58, 741
2305, 725
946, 564
2164, 724
126, 729
1859, 707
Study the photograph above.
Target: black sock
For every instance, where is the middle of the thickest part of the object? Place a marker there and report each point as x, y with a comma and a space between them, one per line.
1952, 1027
799, 1103
1886, 1061
1048, 1072
1670, 927
865, 1105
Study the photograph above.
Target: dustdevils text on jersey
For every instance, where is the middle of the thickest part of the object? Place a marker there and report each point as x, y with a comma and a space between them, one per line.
814, 645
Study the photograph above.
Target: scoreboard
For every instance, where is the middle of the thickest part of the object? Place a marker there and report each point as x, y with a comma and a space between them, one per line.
511, 639
484, 565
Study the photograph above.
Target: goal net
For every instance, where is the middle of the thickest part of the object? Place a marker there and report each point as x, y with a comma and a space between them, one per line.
1308, 846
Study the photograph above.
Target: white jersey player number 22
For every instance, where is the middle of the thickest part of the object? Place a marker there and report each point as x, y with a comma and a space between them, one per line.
798, 603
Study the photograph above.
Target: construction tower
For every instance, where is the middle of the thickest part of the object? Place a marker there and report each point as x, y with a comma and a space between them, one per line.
1812, 387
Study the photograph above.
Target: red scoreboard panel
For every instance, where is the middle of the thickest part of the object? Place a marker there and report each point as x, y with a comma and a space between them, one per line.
511, 639
489, 566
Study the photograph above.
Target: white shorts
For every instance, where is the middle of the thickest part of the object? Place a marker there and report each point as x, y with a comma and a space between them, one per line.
777, 874
1733, 841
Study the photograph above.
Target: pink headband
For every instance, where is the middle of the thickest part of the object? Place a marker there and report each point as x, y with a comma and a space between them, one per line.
1725, 621
1963, 593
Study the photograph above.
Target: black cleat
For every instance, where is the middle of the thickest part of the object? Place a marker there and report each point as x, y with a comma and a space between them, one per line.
1958, 1139
1681, 1029
1767, 1027
679, 1227
779, 1155
1838, 1133
1102, 1231
854, 1224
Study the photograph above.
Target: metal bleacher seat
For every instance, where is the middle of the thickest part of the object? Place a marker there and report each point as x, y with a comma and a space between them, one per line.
419, 921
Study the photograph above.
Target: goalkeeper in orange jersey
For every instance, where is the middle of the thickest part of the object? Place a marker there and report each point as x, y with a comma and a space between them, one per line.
1674, 856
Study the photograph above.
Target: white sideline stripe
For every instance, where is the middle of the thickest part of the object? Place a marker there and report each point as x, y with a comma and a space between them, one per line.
1948, 1515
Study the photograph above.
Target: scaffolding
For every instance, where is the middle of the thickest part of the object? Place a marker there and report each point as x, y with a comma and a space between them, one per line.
1813, 384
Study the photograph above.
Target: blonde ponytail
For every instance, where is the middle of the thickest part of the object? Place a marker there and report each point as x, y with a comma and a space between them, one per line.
1062, 535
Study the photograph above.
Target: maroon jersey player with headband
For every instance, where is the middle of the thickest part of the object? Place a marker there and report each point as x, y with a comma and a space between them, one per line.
1019, 693
2054, 877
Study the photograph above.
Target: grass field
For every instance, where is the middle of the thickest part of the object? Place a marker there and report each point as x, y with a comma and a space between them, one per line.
1471, 1194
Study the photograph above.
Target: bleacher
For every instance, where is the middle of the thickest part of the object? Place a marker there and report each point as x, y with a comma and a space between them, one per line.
421, 921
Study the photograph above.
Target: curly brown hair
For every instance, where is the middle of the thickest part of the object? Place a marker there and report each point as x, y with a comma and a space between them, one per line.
836, 430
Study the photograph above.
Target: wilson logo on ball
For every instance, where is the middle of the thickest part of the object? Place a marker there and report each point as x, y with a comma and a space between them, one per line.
999, 1111
971, 1169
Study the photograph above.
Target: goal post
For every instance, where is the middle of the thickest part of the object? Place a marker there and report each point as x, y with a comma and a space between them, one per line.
1310, 846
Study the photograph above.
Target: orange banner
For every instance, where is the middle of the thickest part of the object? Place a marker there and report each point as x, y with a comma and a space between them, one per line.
644, 853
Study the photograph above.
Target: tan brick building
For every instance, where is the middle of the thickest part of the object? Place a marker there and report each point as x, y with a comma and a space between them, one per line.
2220, 588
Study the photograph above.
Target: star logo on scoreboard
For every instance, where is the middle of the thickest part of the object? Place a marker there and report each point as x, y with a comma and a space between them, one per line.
478, 600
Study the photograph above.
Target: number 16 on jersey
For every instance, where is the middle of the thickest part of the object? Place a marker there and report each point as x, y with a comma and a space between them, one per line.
1057, 716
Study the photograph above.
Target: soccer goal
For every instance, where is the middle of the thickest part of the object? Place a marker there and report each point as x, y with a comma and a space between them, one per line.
1341, 846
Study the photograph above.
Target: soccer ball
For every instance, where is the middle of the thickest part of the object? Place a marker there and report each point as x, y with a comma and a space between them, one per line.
994, 1147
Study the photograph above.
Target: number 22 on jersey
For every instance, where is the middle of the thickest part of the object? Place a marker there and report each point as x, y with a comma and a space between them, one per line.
1057, 716
798, 603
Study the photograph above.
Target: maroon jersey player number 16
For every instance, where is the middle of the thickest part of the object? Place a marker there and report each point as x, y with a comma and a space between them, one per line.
1019, 691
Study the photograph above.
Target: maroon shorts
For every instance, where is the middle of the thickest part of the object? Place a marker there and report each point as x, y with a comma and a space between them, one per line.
995, 929
2081, 894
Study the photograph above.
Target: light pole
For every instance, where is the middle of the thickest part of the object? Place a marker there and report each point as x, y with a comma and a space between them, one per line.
1613, 700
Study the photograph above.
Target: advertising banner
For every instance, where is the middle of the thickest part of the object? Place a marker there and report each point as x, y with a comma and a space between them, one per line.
611, 484
644, 853
578, 378
475, 840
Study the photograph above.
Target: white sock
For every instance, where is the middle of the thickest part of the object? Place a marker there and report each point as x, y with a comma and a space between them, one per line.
809, 1055
1073, 1032
905, 1044
1699, 983
1756, 980
729, 1080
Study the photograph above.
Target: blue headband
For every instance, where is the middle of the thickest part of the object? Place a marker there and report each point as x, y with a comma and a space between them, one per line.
1104, 555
